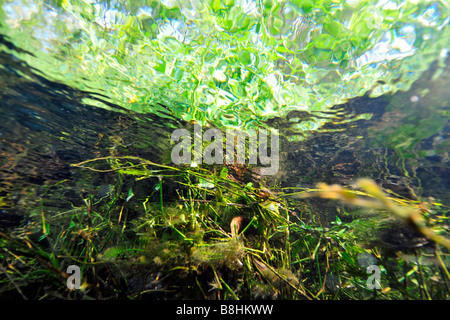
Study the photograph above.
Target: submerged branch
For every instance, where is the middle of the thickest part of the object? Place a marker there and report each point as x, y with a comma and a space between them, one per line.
380, 201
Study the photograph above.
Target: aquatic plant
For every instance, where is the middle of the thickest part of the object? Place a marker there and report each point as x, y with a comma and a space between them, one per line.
220, 237
404, 211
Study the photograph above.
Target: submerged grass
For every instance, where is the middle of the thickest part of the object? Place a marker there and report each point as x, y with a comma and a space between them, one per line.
224, 238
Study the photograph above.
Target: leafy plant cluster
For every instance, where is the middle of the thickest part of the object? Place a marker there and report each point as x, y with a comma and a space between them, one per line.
221, 238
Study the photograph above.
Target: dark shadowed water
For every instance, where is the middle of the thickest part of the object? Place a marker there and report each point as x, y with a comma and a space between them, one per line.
45, 127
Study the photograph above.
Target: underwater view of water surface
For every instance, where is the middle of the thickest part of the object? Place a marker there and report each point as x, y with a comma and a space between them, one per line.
224, 150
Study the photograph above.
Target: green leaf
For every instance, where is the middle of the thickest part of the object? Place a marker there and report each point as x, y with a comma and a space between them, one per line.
325, 41
224, 173
245, 57
130, 194
335, 28
347, 258
307, 5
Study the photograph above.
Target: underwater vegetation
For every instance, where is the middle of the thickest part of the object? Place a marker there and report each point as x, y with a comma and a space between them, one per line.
108, 81
226, 236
